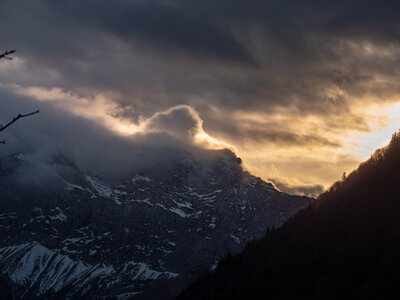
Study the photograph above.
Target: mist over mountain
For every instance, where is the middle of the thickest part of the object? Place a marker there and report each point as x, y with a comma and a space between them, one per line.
175, 138
71, 233
344, 245
95, 146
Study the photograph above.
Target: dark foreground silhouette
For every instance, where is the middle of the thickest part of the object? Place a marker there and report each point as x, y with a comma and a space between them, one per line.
344, 245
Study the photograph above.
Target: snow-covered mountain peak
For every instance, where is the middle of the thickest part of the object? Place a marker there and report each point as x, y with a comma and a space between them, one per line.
131, 234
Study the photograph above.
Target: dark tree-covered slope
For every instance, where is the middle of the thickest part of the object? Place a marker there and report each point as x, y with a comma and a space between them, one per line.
344, 245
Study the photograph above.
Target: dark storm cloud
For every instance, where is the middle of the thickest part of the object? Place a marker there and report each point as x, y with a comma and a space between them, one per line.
300, 59
285, 138
252, 132
165, 25
167, 51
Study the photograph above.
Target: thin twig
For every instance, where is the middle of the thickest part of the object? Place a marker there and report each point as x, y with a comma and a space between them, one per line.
16, 118
4, 54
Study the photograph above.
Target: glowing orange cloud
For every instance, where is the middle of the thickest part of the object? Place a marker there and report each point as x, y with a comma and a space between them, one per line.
325, 155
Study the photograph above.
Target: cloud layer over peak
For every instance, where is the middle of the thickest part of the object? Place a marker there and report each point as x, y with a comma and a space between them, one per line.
274, 80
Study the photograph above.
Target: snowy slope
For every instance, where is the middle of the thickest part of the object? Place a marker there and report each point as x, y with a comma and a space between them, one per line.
77, 230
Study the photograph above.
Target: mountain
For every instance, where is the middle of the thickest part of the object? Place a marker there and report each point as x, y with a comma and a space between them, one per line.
344, 245
67, 233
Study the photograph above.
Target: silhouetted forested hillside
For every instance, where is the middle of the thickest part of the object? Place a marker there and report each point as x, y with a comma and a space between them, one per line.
345, 245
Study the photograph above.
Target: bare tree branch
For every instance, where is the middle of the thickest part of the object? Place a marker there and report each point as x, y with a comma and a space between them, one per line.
15, 119
4, 54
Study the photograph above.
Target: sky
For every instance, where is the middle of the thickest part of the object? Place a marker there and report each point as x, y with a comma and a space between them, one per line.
302, 91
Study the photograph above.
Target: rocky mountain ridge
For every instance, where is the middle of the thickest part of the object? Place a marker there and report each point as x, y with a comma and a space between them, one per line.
71, 234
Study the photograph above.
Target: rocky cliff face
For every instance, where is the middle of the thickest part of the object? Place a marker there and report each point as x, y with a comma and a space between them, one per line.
72, 234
